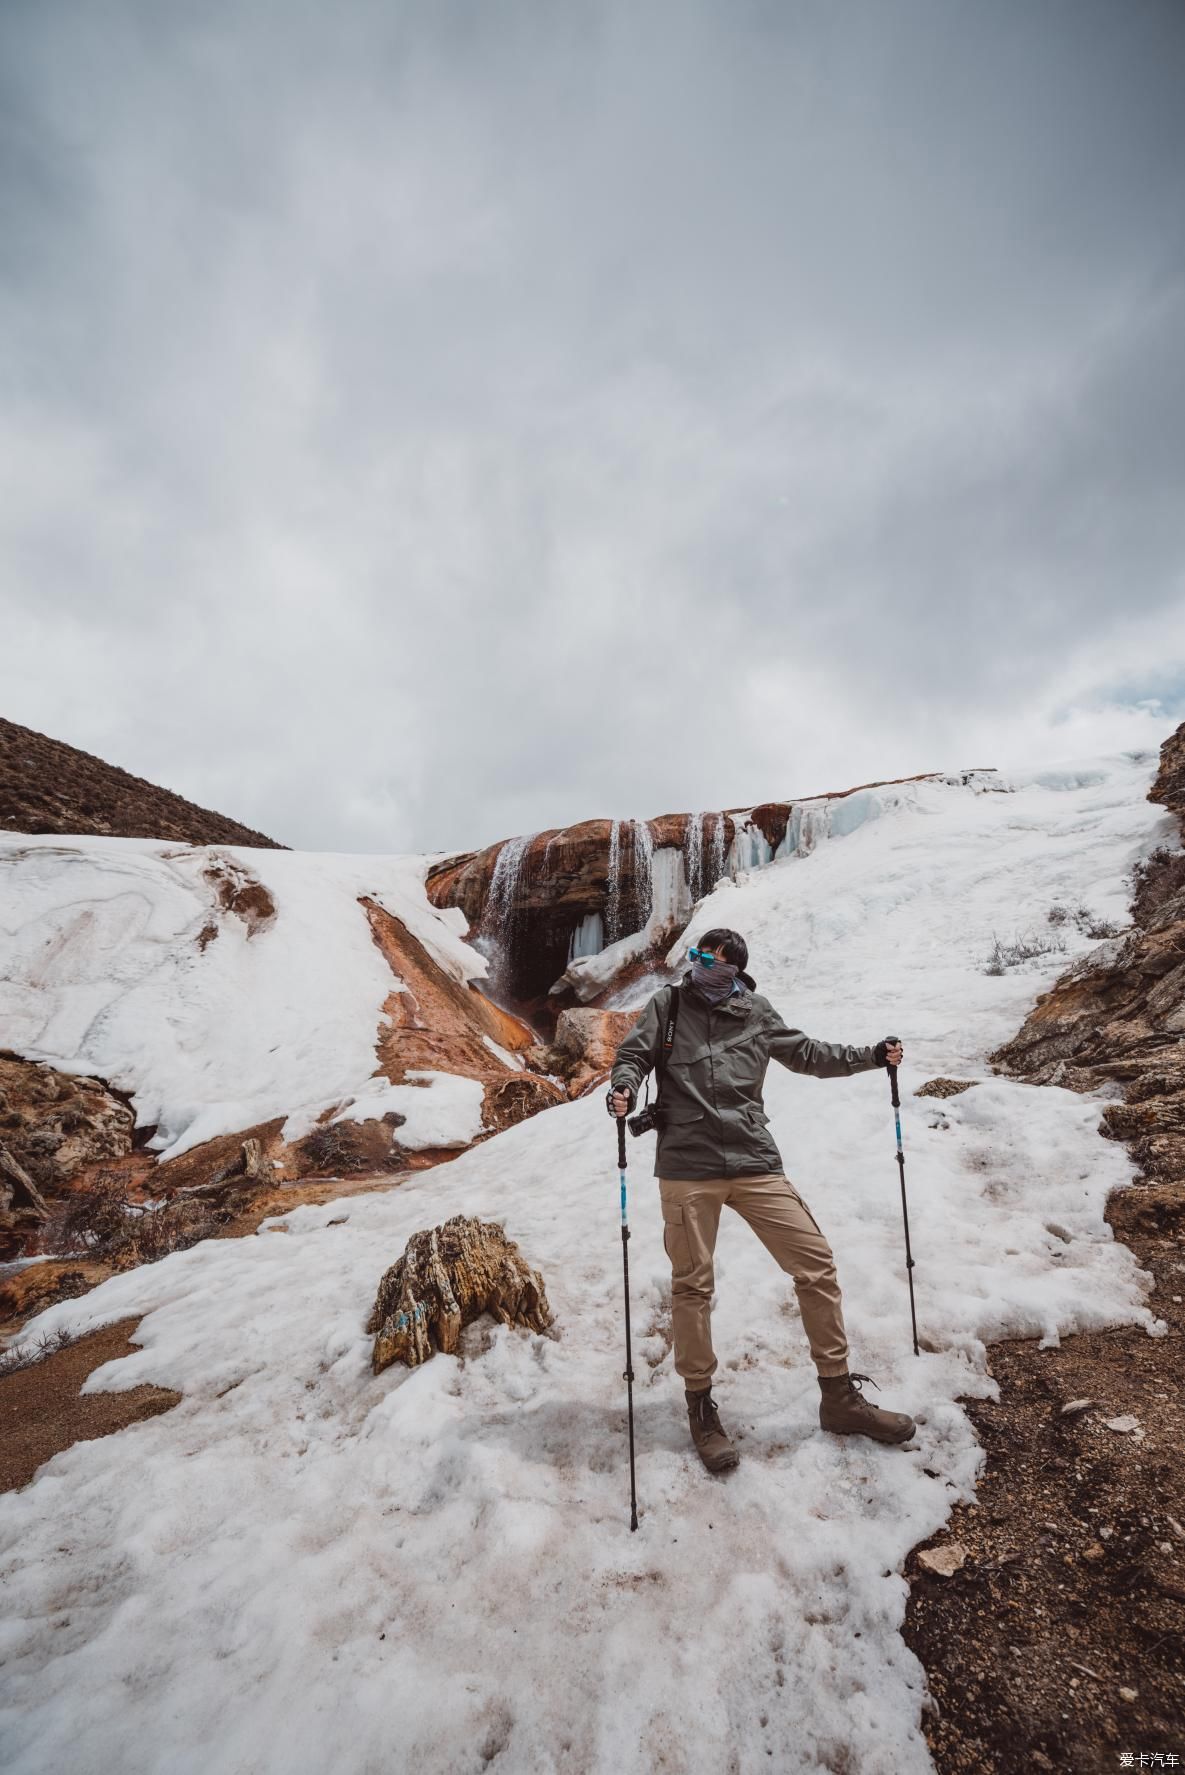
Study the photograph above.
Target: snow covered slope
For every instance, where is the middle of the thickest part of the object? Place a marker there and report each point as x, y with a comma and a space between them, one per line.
160, 968
304, 1567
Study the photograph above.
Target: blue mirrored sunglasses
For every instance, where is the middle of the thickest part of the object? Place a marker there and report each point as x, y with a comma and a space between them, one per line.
704, 956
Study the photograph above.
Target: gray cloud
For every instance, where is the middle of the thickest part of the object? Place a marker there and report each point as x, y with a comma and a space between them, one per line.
424, 424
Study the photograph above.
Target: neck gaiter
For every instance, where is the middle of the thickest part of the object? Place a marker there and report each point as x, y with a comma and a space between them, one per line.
715, 983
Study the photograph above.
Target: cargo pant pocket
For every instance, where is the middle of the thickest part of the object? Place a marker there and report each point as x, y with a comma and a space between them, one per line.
806, 1210
675, 1240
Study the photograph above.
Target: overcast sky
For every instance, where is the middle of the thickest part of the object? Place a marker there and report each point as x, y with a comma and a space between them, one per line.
425, 422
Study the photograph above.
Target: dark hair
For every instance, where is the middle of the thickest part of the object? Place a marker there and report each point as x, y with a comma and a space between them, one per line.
730, 944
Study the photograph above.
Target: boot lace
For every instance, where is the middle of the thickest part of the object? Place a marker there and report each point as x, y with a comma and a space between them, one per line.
706, 1414
856, 1390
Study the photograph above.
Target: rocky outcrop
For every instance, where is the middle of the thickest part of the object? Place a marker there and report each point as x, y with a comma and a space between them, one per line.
1169, 787
1118, 1015
434, 1022
591, 1038
583, 1047
55, 1124
447, 1277
22, 1206
249, 1170
46, 786
241, 894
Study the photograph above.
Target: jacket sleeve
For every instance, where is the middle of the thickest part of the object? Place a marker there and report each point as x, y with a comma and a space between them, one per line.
825, 1060
638, 1052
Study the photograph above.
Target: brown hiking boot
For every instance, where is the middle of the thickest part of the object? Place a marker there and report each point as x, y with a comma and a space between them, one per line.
715, 1450
844, 1410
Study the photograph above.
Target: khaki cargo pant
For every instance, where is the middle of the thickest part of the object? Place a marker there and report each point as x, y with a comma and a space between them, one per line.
783, 1223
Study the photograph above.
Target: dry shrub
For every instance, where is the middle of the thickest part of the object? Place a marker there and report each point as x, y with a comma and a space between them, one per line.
19, 1356
1025, 946
1084, 920
99, 1220
334, 1148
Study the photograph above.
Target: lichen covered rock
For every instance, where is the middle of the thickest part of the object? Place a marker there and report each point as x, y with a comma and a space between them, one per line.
448, 1276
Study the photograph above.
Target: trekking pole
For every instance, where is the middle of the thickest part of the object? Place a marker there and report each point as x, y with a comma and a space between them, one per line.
629, 1360
892, 1070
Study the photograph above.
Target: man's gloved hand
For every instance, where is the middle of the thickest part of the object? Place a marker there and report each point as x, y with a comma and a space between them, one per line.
888, 1052
620, 1101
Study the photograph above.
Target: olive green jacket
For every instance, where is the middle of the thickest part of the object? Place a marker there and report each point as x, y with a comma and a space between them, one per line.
716, 1125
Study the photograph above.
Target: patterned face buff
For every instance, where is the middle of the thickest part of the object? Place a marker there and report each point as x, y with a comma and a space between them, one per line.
714, 982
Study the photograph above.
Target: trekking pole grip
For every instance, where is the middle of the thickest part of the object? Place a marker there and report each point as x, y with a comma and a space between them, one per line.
621, 1143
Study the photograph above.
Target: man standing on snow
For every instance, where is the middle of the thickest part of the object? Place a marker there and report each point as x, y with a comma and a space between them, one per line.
714, 1147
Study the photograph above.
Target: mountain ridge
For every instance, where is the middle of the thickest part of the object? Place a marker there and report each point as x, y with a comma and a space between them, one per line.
49, 787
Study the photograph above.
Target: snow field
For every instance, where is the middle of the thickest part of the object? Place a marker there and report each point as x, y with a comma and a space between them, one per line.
102, 972
304, 1566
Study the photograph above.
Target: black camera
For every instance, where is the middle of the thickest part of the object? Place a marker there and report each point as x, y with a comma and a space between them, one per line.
651, 1118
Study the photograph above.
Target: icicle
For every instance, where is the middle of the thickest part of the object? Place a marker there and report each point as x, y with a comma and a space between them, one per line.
750, 849
693, 844
643, 873
718, 864
670, 902
813, 825
588, 938
613, 886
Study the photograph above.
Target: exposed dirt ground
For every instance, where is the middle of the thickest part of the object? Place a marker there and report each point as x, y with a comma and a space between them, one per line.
42, 1410
1061, 1641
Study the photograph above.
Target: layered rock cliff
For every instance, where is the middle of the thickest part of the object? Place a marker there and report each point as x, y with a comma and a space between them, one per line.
1118, 1016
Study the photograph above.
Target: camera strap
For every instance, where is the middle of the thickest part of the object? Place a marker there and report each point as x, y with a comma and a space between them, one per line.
668, 1041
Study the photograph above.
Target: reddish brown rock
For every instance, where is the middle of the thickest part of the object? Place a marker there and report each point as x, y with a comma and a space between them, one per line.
439, 1024
239, 892
592, 1036
772, 818
584, 1046
57, 1131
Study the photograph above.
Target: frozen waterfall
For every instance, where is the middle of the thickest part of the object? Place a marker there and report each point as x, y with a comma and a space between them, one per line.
613, 885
